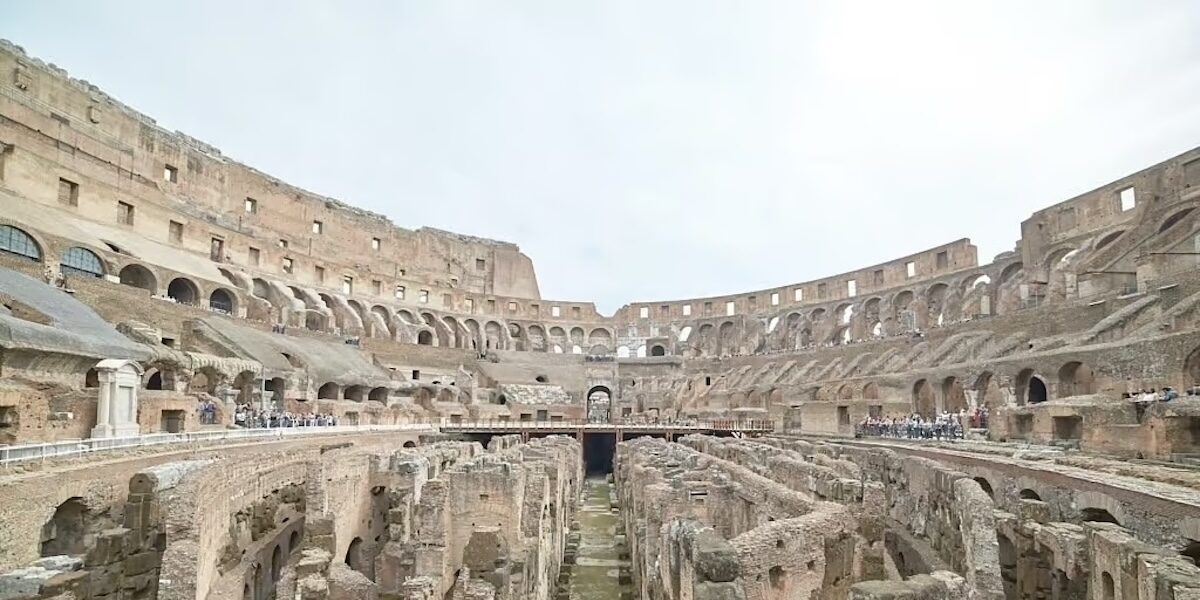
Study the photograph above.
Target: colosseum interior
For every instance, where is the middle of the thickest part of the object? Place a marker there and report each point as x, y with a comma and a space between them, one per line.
215, 385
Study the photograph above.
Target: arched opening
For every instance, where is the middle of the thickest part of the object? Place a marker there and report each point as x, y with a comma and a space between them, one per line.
354, 557
1175, 218
81, 262
425, 338
1110, 589
986, 486
410, 444
183, 291
379, 394
294, 541
1010, 272
18, 243
924, 400
1028, 494
154, 380
1108, 239
1097, 515
871, 391
205, 380
775, 576
139, 277
1030, 388
599, 404
384, 321
276, 562
329, 391
91, 379
356, 393
658, 350
221, 301
314, 321
276, 387
1037, 391
1191, 368
66, 531
986, 389
1191, 551
1075, 379
954, 398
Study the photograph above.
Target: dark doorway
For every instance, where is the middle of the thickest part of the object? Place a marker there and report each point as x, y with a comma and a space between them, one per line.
598, 449
173, 421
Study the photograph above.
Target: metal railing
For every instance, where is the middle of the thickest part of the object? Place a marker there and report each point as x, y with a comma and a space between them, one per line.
65, 448
707, 425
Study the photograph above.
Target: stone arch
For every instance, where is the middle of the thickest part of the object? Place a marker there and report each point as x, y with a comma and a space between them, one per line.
454, 332
935, 302
1191, 368
1031, 388
1108, 239
1056, 256
845, 392
19, 243
1010, 272
183, 291
905, 319
517, 334
91, 379
474, 333
987, 390
493, 335
328, 391
870, 391
725, 339
67, 530
576, 336
135, 275
1175, 218
1076, 379
246, 384
924, 400
355, 393
425, 337
658, 350
536, 338
954, 397
599, 404
82, 262
622, 351
206, 379
600, 337
383, 318
222, 301
277, 387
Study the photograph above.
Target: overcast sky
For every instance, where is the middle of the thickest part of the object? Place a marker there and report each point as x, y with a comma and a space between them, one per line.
650, 149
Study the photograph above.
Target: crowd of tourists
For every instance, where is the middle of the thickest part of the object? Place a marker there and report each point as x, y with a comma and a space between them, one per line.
945, 426
247, 416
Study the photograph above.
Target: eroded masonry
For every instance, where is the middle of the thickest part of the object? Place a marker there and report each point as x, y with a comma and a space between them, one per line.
214, 384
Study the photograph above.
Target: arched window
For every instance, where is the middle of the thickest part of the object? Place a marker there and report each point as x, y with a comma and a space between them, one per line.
139, 277
221, 301
658, 351
183, 291
15, 241
81, 262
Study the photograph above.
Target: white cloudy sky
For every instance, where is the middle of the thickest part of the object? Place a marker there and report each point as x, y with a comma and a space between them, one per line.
657, 149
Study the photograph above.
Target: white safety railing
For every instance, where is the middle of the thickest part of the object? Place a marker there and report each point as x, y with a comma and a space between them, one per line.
719, 425
49, 450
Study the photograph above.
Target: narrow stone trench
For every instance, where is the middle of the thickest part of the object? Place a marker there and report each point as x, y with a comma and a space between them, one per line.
596, 562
